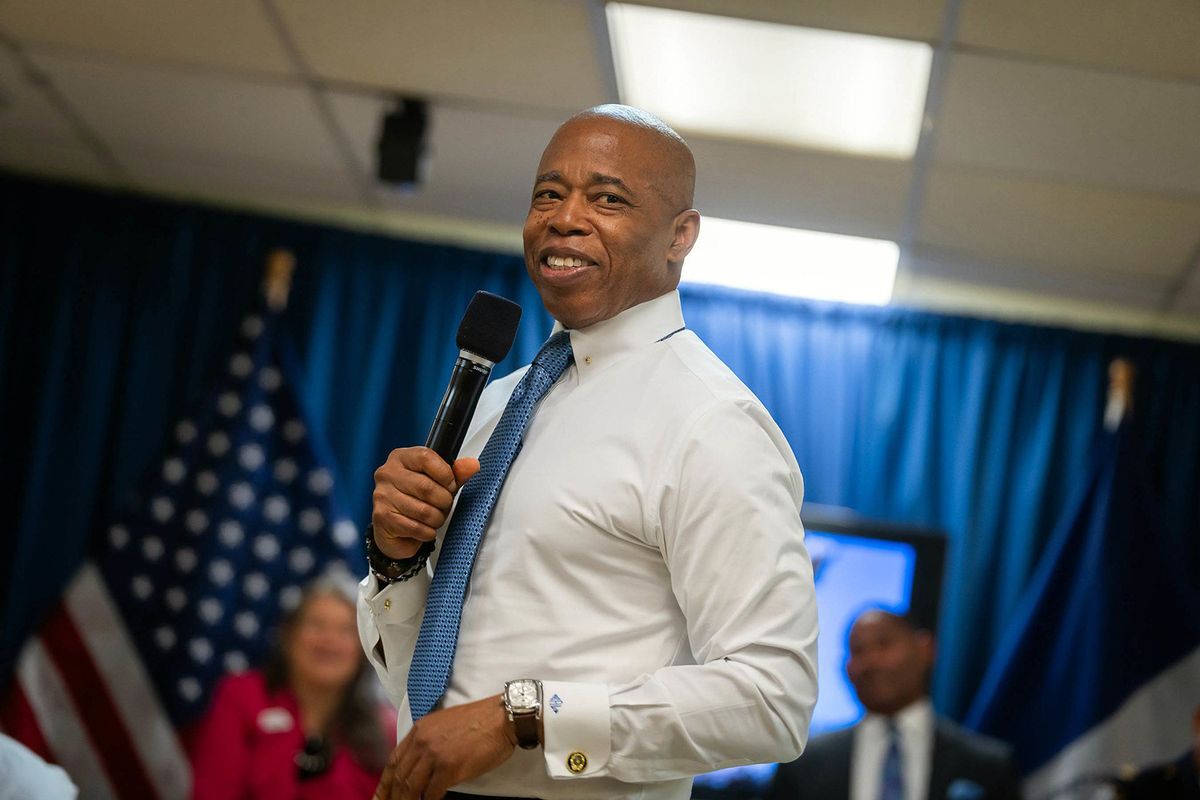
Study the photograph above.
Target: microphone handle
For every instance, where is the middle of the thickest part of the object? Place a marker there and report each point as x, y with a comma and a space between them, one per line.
453, 417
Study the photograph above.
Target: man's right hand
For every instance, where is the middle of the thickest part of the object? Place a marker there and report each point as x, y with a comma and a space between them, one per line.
414, 490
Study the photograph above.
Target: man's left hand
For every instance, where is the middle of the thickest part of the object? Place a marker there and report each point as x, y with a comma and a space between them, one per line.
445, 748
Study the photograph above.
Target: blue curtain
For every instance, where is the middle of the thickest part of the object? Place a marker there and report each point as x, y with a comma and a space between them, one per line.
115, 309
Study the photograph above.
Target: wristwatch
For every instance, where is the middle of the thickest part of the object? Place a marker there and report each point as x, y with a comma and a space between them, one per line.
523, 702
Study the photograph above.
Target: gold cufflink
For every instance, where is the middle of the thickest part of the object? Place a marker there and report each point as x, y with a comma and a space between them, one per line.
387, 603
577, 762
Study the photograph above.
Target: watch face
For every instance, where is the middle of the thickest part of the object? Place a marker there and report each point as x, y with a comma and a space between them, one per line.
523, 694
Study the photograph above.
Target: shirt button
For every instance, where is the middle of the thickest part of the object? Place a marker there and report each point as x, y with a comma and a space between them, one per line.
587, 359
387, 603
577, 762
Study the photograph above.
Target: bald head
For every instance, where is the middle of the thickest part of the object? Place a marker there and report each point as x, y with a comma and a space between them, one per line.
611, 220
676, 173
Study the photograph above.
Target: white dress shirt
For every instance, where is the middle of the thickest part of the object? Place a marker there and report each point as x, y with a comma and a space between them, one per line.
645, 560
915, 727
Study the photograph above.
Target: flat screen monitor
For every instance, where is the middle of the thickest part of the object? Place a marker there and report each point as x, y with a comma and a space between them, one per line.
858, 564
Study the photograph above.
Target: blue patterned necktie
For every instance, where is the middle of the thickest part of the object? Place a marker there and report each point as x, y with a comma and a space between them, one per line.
443, 606
892, 778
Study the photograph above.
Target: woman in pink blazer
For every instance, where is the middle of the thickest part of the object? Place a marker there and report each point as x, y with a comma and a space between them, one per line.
307, 726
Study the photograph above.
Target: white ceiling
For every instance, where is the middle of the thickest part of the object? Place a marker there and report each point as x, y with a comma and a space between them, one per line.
1058, 177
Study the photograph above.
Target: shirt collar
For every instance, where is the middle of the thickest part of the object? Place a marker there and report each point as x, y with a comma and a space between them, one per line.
915, 718
597, 346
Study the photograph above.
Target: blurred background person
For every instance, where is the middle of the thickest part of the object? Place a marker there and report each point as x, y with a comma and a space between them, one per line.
901, 750
309, 725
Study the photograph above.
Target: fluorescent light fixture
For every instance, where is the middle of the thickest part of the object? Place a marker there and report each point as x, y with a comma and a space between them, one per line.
774, 83
790, 261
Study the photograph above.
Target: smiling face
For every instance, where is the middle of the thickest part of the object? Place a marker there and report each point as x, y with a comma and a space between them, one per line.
610, 221
889, 662
322, 647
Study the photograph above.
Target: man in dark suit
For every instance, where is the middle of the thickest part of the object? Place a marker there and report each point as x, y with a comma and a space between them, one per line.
901, 750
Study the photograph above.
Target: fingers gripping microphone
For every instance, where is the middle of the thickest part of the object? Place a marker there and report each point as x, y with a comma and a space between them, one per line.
485, 336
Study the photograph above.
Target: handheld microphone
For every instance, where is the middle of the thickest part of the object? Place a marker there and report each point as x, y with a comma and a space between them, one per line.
485, 336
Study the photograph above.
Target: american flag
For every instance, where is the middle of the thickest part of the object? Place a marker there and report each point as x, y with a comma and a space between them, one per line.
187, 584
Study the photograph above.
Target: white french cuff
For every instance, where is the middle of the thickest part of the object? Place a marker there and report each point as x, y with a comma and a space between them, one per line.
395, 608
577, 730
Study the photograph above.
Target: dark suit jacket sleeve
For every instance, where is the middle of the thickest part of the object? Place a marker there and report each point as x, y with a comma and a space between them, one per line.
1008, 785
959, 754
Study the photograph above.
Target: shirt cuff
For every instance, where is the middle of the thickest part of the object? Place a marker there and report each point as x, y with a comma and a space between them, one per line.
388, 616
576, 727
395, 602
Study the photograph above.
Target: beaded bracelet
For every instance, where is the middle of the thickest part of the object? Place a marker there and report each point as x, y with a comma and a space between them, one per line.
394, 570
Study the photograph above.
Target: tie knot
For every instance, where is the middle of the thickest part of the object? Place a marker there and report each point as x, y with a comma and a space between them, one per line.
559, 341
555, 354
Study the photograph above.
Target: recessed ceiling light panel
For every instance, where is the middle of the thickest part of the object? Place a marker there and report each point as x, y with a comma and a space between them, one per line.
790, 261
774, 83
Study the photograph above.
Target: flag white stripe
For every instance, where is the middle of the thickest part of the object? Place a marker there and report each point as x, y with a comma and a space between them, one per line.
116, 659
60, 722
1152, 726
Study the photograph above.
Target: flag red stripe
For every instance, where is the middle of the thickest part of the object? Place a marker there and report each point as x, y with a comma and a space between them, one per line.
102, 721
16, 714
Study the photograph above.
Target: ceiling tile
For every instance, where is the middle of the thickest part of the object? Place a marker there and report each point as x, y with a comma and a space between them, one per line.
1188, 309
1189, 304
52, 156
905, 19
1058, 307
532, 53
24, 109
967, 267
1152, 36
802, 189
230, 34
1069, 122
196, 116
1187, 300
1057, 227
243, 179
482, 163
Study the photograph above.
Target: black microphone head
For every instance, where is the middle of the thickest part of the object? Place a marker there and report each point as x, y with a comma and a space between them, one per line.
489, 326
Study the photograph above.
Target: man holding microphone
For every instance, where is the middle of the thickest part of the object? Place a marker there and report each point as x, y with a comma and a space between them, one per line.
634, 602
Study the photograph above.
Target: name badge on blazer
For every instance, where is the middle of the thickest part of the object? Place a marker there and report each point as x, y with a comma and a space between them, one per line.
275, 720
